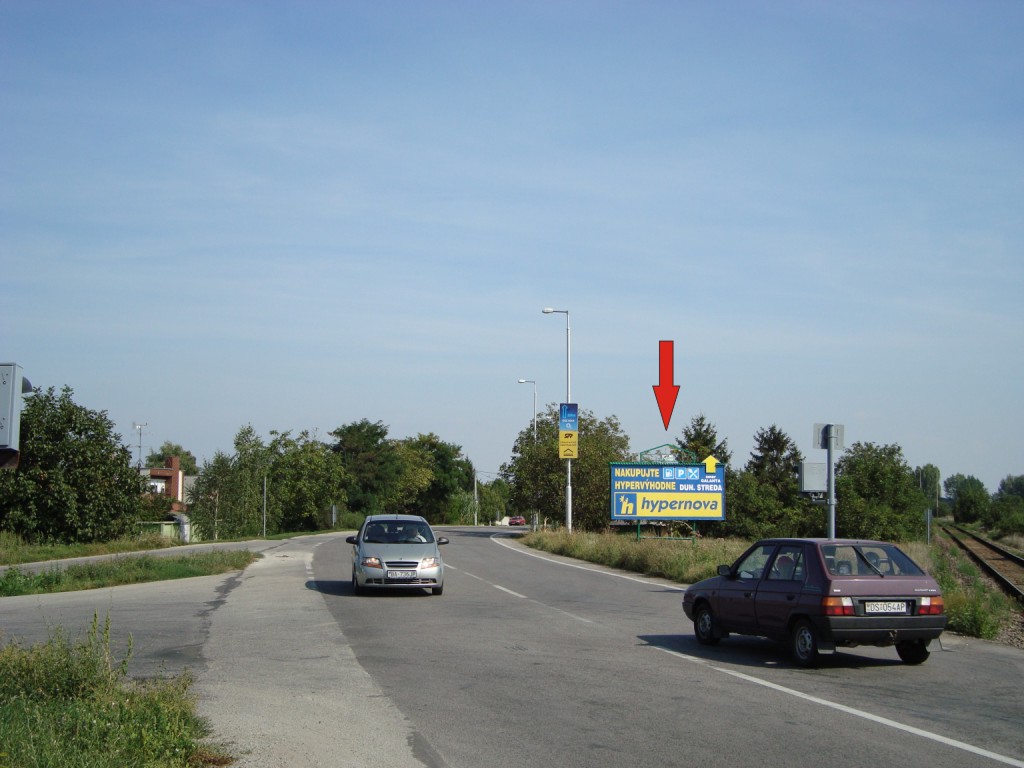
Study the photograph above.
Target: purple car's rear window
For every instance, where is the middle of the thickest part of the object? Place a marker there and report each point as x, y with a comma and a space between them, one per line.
877, 560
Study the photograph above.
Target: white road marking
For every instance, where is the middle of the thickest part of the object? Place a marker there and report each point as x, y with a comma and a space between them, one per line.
496, 538
524, 597
851, 711
509, 591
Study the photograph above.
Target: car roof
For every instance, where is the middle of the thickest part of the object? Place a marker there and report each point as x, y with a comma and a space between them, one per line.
410, 518
820, 541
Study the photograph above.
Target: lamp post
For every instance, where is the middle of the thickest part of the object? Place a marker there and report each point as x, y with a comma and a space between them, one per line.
568, 399
531, 381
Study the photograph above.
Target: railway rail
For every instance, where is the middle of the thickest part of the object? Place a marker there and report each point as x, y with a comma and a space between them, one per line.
1007, 568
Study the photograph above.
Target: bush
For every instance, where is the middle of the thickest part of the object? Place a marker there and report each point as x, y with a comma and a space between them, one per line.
973, 608
67, 704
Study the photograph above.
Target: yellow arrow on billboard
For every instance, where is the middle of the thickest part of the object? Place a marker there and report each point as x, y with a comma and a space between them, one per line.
710, 464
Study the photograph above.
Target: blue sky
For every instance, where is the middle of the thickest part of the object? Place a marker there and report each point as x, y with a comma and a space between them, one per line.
298, 215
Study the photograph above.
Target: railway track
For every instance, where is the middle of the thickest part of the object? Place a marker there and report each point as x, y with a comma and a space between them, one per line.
1002, 565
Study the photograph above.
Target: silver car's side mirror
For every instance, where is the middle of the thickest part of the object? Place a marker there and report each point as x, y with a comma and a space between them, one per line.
442, 540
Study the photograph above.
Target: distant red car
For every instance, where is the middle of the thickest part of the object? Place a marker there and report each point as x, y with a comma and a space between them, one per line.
517, 520
820, 594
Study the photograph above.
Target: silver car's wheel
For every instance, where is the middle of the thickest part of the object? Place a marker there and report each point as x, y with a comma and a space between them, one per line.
438, 590
704, 625
805, 644
356, 589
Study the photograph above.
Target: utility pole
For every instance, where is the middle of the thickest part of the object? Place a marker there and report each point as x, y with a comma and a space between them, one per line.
139, 427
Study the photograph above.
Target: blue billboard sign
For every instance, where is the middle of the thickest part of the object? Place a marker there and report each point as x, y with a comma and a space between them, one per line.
668, 491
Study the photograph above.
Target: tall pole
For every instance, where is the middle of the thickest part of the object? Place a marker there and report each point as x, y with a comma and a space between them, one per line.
830, 434
568, 399
532, 381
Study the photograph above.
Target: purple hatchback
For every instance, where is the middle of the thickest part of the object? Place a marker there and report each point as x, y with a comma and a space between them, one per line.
820, 594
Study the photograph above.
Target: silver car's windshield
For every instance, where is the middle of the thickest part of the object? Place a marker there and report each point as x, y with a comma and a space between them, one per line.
398, 532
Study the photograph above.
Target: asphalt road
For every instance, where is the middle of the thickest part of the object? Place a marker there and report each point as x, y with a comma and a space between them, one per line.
529, 660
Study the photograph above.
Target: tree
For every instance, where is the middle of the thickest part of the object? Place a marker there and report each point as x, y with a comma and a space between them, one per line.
764, 499
306, 479
877, 494
415, 476
1011, 485
928, 480
159, 458
451, 472
969, 498
1006, 512
536, 474
211, 499
75, 482
372, 464
775, 464
700, 438
493, 500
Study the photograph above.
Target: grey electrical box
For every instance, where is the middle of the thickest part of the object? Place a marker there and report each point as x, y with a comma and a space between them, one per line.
12, 385
813, 477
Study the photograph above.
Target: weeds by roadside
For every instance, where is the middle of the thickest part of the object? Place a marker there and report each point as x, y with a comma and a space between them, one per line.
13, 551
973, 605
124, 570
66, 704
682, 561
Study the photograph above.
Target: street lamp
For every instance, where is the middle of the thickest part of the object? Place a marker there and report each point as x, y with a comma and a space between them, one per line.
531, 381
568, 399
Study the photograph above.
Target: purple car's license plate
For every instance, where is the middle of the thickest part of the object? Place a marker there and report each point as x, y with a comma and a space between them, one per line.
878, 606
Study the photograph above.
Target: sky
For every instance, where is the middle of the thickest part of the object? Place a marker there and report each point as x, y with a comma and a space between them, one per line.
296, 215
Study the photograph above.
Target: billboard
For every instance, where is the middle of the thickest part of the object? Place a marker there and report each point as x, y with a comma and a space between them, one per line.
668, 491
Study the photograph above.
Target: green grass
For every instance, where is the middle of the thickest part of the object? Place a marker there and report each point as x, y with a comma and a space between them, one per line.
682, 561
13, 551
69, 704
123, 570
973, 607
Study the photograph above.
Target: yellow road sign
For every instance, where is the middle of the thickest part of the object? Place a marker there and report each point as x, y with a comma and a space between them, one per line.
568, 444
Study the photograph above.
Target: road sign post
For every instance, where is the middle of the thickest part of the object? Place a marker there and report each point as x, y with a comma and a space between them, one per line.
830, 437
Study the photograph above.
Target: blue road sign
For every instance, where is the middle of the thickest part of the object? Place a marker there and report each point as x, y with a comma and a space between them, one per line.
568, 417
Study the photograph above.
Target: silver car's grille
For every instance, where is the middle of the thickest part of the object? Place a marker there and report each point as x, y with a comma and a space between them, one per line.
401, 563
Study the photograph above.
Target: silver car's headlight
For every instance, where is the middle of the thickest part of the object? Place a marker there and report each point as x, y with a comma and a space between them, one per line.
430, 562
371, 562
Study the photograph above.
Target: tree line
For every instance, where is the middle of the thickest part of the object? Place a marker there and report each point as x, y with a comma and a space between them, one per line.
76, 483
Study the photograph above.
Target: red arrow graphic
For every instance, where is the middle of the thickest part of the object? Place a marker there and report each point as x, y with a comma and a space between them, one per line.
666, 391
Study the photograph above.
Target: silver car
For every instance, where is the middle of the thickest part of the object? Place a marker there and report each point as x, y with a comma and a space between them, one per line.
396, 552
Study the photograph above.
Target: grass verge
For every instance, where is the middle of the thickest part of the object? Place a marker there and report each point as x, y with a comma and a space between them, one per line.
682, 561
66, 704
124, 570
13, 551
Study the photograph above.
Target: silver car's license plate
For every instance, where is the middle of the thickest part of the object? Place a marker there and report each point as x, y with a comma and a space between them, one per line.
401, 574
885, 607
